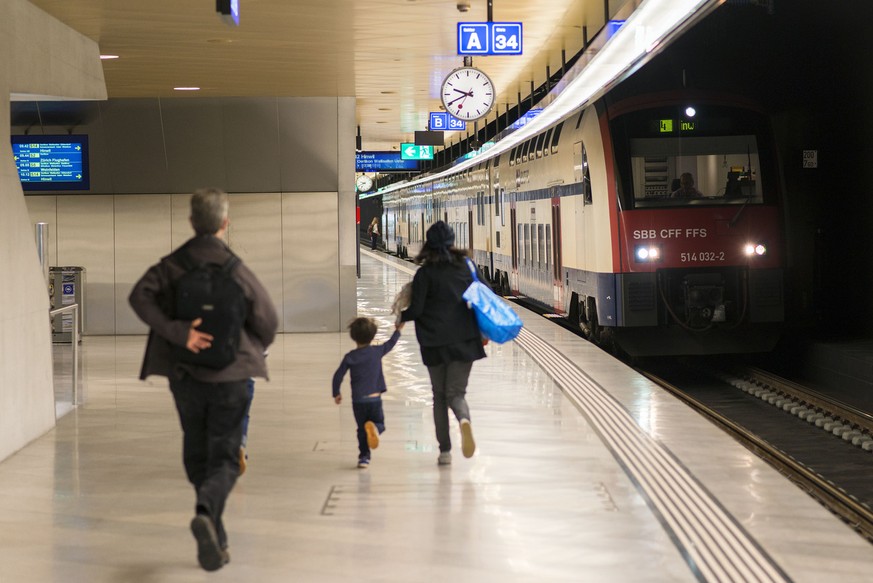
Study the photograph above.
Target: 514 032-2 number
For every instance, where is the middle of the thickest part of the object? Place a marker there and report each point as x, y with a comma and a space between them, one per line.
702, 256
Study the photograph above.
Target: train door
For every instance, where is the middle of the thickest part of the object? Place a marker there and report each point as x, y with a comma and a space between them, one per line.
513, 236
557, 260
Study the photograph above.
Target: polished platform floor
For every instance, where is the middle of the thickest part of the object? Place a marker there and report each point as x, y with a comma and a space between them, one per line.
586, 474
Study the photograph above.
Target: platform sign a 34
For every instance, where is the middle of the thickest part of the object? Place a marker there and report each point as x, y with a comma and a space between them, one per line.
489, 38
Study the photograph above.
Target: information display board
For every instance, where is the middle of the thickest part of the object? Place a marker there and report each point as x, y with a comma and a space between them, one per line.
383, 162
52, 162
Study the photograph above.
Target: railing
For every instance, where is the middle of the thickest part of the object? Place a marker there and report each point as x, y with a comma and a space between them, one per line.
74, 308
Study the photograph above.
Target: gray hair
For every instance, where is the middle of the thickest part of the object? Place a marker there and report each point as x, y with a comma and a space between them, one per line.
208, 210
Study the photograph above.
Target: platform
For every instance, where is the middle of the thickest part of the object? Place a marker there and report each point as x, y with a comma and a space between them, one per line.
585, 473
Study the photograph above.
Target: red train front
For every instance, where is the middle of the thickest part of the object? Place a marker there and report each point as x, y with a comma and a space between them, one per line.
699, 251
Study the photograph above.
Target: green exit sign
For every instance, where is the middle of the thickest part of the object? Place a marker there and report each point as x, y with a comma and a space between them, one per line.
413, 152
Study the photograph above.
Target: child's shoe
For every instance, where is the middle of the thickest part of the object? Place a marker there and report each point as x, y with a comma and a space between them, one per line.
364, 462
243, 460
444, 459
372, 434
468, 446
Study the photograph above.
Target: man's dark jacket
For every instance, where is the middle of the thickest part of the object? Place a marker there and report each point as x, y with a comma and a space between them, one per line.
152, 297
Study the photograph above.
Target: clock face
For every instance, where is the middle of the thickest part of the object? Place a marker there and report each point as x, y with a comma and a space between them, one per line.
468, 93
364, 183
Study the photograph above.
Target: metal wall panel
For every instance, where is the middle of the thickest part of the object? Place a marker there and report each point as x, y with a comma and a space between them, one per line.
255, 235
308, 144
251, 144
180, 220
142, 237
194, 143
310, 253
85, 238
134, 153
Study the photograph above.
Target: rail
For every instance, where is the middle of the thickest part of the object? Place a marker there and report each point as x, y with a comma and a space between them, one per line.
74, 340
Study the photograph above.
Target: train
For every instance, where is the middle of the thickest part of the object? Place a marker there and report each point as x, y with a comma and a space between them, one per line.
590, 220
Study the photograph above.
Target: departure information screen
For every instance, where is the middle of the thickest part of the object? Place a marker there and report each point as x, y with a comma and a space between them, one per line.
51, 162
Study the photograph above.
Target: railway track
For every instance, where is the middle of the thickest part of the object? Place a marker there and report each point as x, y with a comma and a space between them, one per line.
820, 444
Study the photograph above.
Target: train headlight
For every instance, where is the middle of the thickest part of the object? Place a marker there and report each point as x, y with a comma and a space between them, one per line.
753, 249
647, 253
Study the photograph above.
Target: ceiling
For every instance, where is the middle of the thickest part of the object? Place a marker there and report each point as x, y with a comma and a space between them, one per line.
390, 54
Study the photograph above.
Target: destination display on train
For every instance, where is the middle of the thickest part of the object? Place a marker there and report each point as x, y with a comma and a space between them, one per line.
49, 161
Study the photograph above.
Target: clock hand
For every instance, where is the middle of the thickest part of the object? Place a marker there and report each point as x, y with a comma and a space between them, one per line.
470, 94
464, 96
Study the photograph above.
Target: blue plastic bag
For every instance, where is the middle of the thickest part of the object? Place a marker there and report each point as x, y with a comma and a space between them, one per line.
497, 320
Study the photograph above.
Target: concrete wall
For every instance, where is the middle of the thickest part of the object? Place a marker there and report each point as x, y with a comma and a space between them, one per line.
63, 64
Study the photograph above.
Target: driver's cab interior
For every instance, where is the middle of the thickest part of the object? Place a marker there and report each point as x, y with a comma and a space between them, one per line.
695, 171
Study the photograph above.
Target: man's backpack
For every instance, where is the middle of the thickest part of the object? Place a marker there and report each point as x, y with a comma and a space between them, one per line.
208, 291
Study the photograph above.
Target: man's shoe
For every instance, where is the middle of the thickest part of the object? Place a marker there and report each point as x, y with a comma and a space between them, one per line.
444, 459
468, 446
243, 460
364, 462
372, 434
210, 555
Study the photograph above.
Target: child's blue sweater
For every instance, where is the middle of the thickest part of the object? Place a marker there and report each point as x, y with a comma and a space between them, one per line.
365, 366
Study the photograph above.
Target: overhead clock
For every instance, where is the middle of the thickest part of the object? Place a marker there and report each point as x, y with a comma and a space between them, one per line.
468, 93
364, 183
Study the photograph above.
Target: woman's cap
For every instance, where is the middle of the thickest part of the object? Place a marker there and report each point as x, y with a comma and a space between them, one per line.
440, 236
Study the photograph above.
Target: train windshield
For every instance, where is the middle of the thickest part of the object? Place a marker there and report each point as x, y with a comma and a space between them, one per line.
684, 157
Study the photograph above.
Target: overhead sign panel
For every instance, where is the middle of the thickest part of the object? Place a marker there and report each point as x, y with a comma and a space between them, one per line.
489, 38
430, 138
442, 121
412, 152
383, 162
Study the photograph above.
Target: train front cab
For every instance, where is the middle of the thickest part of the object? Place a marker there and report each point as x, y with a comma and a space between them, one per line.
697, 274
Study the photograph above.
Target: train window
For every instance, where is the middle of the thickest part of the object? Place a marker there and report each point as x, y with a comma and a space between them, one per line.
660, 152
527, 248
519, 241
524, 148
541, 251
517, 156
555, 137
548, 239
548, 142
540, 139
503, 207
480, 212
497, 161
581, 173
497, 239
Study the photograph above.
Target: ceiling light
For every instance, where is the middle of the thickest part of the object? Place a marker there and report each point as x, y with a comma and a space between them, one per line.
186, 89
108, 57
